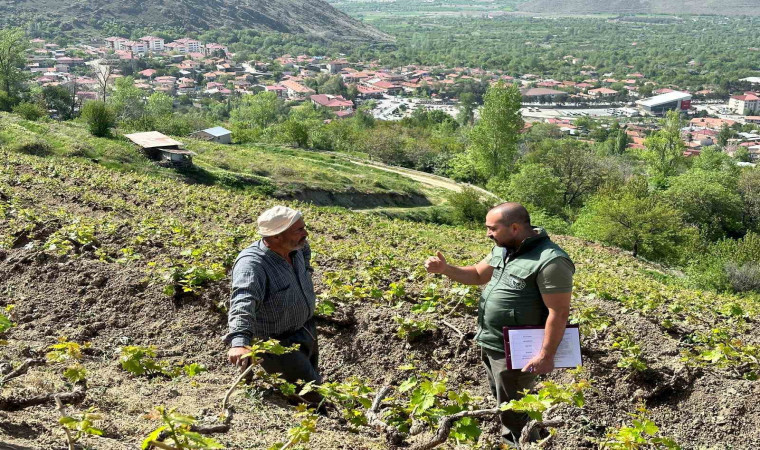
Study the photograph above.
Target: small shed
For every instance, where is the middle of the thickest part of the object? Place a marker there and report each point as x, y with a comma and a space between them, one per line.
220, 135
162, 148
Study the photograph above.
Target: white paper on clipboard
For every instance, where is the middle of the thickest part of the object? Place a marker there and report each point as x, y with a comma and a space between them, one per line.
521, 344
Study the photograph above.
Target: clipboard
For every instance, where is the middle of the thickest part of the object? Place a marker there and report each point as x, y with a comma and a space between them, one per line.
525, 342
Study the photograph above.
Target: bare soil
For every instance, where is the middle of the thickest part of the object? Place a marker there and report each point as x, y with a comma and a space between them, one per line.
113, 305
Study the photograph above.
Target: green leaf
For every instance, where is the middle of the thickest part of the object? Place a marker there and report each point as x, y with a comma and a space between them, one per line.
5, 324
408, 384
75, 373
193, 369
66, 420
152, 437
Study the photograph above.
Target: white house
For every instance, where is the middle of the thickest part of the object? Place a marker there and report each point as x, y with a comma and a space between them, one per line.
154, 44
186, 45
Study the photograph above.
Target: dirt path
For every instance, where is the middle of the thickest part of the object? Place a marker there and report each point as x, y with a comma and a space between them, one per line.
422, 177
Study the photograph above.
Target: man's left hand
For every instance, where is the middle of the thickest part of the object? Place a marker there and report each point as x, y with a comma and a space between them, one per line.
540, 364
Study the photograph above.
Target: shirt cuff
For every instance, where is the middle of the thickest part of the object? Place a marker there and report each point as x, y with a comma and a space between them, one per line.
240, 341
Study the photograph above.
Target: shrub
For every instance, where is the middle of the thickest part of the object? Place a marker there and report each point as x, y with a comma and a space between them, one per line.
730, 264
744, 278
29, 111
100, 118
468, 208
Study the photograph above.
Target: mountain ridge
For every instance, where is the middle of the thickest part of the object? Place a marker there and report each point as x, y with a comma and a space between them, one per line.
313, 17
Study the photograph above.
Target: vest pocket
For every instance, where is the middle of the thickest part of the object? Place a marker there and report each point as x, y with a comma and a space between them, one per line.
498, 317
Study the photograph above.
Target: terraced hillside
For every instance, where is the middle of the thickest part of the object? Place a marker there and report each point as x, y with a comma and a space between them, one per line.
321, 178
99, 264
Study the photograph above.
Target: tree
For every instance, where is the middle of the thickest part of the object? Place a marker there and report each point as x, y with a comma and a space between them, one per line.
742, 155
103, 73
256, 111
127, 100
61, 99
495, 135
99, 117
580, 171
466, 108
159, 105
713, 159
724, 135
664, 149
749, 189
13, 44
635, 219
535, 185
709, 201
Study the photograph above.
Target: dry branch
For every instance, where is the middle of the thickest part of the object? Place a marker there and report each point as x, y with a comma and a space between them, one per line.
535, 424
446, 422
15, 404
393, 436
22, 369
458, 331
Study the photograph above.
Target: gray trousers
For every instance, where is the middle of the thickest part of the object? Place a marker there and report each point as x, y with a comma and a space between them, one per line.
299, 365
506, 385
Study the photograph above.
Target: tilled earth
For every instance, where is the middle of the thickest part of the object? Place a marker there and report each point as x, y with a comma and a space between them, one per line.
112, 305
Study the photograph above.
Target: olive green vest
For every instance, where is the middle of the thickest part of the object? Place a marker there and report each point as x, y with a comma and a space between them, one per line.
512, 297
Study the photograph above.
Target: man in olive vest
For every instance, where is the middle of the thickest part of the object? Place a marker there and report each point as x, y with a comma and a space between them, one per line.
529, 282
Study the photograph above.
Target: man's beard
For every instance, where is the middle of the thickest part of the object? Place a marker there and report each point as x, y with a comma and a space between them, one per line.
300, 244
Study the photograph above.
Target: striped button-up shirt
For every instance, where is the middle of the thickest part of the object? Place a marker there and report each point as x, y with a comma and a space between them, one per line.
270, 297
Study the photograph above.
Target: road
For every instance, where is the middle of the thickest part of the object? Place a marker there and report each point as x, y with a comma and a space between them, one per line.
421, 177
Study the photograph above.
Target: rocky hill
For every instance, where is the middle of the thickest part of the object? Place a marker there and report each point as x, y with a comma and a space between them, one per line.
704, 7
314, 17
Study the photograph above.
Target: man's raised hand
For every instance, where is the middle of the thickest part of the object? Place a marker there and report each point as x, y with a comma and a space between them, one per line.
436, 264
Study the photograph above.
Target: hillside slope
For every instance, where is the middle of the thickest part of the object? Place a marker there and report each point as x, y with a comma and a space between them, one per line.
118, 258
695, 7
314, 17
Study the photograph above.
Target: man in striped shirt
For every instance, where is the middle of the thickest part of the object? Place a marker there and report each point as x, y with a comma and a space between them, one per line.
273, 297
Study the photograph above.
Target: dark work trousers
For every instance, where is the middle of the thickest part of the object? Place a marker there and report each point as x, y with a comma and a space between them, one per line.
507, 385
299, 365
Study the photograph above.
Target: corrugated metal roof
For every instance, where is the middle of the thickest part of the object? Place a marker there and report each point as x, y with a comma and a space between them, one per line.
665, 98
217, 131
152, 139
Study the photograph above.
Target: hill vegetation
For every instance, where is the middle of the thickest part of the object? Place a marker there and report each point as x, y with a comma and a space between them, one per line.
312, 17
690, 7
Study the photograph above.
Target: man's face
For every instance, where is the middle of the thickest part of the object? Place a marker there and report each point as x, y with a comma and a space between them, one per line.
294, 238
502, 235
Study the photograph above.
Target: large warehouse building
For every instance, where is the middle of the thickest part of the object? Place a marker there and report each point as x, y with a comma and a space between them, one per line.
659, 105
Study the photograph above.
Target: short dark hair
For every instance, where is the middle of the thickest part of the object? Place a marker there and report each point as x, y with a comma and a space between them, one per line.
513, 212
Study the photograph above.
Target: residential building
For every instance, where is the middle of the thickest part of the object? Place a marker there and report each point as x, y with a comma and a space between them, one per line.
154, 44
280, 91
297, 90
749, 101
603, 92
332, 102
337, 65
210, 49
542, 95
